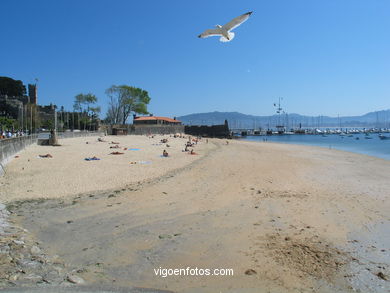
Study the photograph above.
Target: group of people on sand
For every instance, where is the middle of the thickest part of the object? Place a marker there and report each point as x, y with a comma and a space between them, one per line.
10, 134
192, 142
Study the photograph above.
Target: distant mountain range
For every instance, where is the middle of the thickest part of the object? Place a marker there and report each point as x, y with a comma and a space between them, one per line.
238, 120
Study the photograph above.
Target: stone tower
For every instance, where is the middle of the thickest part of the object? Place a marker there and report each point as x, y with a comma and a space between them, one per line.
33, 93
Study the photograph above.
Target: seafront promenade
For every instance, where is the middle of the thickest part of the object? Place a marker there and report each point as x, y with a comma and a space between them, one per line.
285, 218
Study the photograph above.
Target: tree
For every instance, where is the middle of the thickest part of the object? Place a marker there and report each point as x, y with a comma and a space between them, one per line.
7, 123
12, 87
95, 111
83, 104
125, 100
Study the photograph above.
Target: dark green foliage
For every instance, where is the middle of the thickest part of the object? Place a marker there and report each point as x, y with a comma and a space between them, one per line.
125, 100
11, 87
7, 123
9, 109
88, 114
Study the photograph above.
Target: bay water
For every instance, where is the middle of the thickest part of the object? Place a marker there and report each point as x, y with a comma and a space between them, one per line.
358, 143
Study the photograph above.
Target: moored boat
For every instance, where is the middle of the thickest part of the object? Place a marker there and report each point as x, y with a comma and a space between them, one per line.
383, 137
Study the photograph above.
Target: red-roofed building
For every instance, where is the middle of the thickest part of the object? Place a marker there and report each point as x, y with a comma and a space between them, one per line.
154, 120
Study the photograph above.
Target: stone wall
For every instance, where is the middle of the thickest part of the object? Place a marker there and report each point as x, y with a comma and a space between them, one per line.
156, 129
220, 131
71, 134
149, 129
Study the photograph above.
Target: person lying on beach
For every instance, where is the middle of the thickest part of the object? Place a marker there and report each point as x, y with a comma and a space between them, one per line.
46, 156
101, 139
116, 153
94, 158
164, 140
165, 153
114, 142
114, 147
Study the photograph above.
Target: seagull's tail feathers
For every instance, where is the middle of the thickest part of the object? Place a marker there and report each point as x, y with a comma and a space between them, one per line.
224, 40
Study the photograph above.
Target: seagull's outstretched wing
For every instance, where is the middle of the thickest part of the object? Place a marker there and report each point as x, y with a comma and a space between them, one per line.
237, 21
210, 33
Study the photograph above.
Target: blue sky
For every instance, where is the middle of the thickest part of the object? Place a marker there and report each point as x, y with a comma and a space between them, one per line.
323, 57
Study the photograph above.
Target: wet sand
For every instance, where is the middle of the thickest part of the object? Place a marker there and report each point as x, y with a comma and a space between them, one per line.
285, 218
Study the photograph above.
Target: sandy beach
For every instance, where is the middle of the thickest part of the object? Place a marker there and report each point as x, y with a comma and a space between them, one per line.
285, 218
68, 173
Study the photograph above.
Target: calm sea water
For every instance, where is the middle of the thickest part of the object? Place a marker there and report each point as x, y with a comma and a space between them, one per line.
358, 143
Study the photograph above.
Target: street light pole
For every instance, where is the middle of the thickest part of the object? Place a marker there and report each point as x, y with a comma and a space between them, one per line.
55, 119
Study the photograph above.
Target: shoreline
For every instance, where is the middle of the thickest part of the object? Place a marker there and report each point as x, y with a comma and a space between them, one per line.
321, 144
320, 147
238, 205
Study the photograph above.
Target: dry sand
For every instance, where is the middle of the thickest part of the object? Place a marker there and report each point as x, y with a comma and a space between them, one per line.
285, 218
67, 173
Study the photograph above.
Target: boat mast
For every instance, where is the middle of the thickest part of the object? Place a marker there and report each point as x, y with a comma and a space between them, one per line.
279, 111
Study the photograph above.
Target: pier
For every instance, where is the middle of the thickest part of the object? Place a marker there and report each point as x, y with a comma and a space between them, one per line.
309, 130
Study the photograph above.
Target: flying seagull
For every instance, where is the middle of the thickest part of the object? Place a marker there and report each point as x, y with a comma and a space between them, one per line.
225, 30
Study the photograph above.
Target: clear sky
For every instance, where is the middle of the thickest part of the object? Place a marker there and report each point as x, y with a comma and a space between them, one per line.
324, 57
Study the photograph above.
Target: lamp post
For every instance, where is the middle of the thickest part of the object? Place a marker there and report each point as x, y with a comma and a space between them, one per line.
55, 119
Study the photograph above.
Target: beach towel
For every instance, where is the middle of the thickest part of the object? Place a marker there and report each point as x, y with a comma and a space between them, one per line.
141, 162
133, 149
